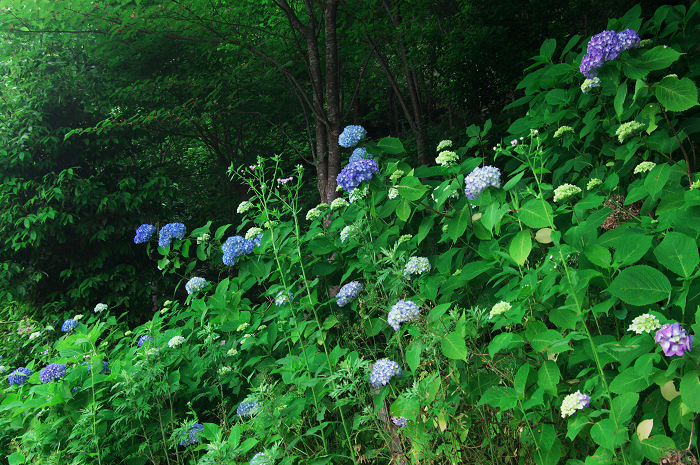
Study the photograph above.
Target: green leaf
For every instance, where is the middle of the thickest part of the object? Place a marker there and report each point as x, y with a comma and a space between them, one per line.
607, 436
520, 246
413, 356
548, 377
403, 210
678, 253
676, 94
410, 188
557, 97
536, 214
657, 178
520, 380
629, 381
624, 406
458, 223
504, 341
619, 102
391, 145
454, 347
690, 391
657, 446
542, 340
640, 285
659, 58
628, 252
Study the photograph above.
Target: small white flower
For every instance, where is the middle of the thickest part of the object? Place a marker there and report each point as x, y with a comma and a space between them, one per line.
78, 317
176, 341
223, 370
499, 309
34, 335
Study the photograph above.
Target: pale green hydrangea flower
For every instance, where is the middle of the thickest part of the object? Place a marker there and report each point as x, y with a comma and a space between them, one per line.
176, 341
242, 327
627, 130
589, 84
499, 309
393, 193
644, 324
396, 175
322, 206
405, 238
573, 402
231, 352
446, 158
644, 166
695, 185
223, 370
565, 191
339, 202
203, 238
359, 193
244, 207
252, 233
270, 224
593, 183
444, 144
562, 131
348, 231
313, 214
444, 227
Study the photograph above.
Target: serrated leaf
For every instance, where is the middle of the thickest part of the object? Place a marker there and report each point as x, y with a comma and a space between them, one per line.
413, 356
678, 253
458, 223
690, 391
453, 346
403, 210
548, 377
410, 188
640, 285
607, 436
625, 406
676, 94
657, 446
620, 96
520, 246
536, 213
659, 58
391, 145
628, 381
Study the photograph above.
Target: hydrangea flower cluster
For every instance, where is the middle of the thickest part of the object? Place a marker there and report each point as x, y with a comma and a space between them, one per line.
593, 183
235, 247
400, 421
313, 214
351, 135
254, 234
190, 437
359, 193
143, 339
244, 207
348, 292
446, 158
224, 370
19, 376
644, 324
480, 179
144, 233
348, 231
396, 175
360, 153
356, 172
499, 309
627, 130
393, 193
406, 238
69, 325
444, 144
402, 311
247, 409
416, 265
261, 458
565, 191
34, 335
99, 308
573, 402
644, 167
52, 372
339, 202
607, 46
382, 371
105, 368
562, 131
283, 297
589, 84
169, 232
203, 239
673, 339
195, 284
176, 341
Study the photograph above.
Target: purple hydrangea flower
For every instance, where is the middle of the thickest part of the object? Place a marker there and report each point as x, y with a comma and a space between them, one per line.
573, 402
401, 312
359, 154
143, 339
169, 232
190, 437
69, 325
19, 376
235, 247
195, 284
52, 372
144, 233
480, 179
673, 339
351, 135
356, 172
400, 421
382, 371
247, 409
348, 292
607, 46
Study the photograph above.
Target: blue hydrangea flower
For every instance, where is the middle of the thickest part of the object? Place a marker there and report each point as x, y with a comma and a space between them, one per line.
19, 376
351, 135
348, 292
283, 297
480, 179
69, 325
235, 247
105, 368
52, 372
606, 46
190, 437
143, 339
144, 233
247, 409
382, 371
356, 172
261, 458
416, 265
195, 284
403, 310
359, 154
99, 308
169, 232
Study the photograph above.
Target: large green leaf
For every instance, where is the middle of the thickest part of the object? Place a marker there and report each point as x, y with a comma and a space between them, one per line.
536, 213
630, 251
458, 223
391, 145
520, 246
629, 381
625, 405
453, 346
678, 253
640, 285
410, 188
403, 210
548, 377
607, 436
657, 446
676, 94
690, 391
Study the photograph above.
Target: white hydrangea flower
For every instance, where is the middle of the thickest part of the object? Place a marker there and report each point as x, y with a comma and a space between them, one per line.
644, 167
565, 191
244, 207
644, 324
499, 309
573, 402
444, 144
176, 341
339, 202
223, 370
593, 183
